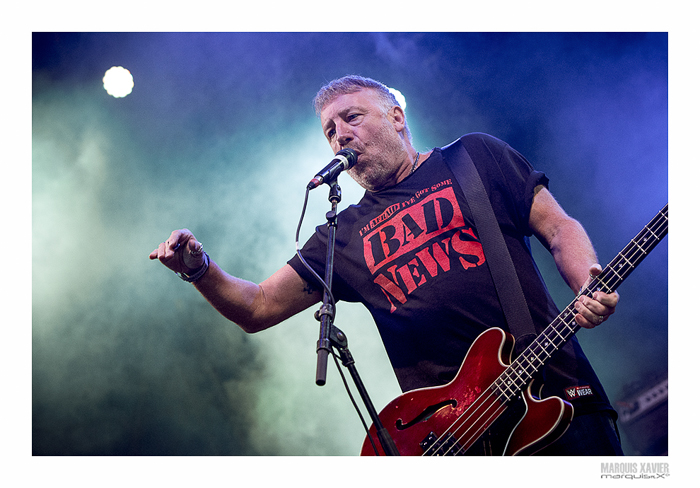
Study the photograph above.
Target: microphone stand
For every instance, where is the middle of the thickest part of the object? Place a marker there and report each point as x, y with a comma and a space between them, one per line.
331, 336
326, 313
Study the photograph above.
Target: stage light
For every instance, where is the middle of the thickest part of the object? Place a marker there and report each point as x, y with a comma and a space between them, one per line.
118, 81
399, 97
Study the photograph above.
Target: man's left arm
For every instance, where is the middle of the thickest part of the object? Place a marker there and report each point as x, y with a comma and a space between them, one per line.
573, 254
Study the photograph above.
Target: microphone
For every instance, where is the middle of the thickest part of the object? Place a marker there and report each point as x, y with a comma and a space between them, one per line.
344, 160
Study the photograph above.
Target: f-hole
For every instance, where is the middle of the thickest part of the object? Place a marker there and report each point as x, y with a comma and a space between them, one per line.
425, 414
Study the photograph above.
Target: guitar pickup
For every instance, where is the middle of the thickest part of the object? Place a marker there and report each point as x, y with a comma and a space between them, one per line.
447, 446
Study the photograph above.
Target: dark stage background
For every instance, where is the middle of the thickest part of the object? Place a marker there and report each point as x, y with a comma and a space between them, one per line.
219, 136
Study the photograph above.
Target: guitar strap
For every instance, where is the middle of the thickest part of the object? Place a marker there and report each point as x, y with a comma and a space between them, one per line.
498, 258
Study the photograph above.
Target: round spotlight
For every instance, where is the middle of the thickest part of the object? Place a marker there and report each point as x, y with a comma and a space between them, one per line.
118, 81
399, 97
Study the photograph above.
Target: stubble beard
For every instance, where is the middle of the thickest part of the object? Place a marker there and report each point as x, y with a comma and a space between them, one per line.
379, 162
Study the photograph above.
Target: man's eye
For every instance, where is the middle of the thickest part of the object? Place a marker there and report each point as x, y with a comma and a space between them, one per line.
331, 133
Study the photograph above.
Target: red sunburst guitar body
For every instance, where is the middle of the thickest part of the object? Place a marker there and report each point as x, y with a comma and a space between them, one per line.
452, 419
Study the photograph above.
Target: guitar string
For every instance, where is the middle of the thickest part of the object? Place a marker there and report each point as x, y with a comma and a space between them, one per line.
478, 430
446, 435
661, 220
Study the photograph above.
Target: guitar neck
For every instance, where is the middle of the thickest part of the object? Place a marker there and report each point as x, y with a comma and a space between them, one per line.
521, 371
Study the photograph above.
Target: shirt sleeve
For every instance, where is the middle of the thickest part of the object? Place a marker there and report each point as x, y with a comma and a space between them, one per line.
509, 178
313, 253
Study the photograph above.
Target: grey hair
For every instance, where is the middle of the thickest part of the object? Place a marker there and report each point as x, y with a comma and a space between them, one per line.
352, 84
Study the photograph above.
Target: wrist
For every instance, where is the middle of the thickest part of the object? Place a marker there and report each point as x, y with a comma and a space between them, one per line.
196, 274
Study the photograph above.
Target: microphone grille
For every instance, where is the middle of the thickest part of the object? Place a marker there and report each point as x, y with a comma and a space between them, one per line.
350, 155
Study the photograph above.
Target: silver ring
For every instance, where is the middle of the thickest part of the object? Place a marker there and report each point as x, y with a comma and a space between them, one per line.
197, 252
601, 319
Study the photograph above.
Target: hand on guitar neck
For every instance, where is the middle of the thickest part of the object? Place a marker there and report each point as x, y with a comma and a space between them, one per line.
596, 309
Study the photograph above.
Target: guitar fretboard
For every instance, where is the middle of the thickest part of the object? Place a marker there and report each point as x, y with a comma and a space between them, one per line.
518, 375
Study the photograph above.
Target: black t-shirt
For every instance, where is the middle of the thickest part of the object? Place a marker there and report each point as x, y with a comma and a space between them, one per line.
412, 256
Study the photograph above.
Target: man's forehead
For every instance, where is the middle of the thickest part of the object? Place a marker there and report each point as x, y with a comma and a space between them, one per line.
360, 99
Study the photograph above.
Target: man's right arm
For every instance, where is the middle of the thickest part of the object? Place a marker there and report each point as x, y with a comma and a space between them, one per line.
253, 307
257, 307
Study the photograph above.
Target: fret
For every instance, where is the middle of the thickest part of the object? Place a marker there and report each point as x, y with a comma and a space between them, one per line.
640, 247
531, 357
557, 333
625, 258
524, 373
543, 350
629, 252
570, 331
520, 372
508, 380
615, 273
652, 233
506, 390
509, 388
607, 289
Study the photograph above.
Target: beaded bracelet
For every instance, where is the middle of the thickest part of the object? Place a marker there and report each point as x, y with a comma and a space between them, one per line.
191, 278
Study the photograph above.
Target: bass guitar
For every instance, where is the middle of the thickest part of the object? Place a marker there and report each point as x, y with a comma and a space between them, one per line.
490, 407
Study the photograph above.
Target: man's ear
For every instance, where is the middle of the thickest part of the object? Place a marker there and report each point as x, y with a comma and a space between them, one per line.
397, 117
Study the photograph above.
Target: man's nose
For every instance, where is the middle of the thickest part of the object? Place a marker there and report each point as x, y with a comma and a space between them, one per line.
344, 133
